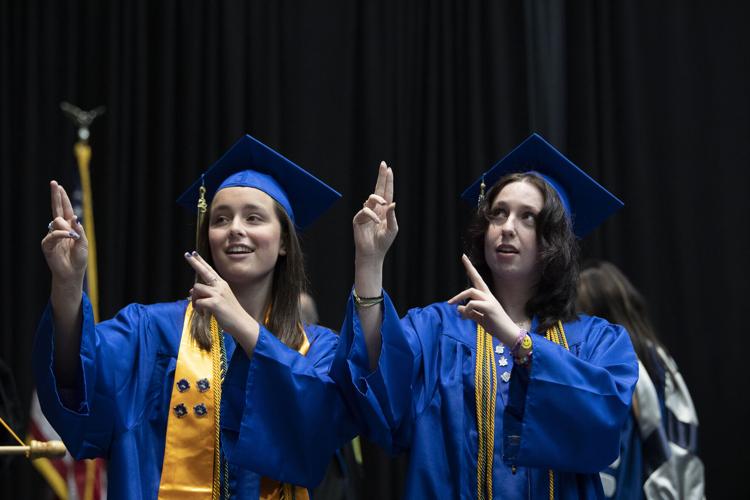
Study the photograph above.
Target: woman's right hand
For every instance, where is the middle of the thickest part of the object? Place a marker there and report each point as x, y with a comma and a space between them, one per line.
65, 246
375, 226
66, 250
375, 229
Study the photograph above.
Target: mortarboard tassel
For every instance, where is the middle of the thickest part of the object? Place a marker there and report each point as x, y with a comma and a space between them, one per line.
202, 208
481, 192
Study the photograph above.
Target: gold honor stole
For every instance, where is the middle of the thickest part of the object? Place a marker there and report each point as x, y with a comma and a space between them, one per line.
191, 449
485, 388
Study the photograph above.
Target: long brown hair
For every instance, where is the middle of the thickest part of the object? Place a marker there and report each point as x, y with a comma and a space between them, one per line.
555, 293
606, 292
289, 281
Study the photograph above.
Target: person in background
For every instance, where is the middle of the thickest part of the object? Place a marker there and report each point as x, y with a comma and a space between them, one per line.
308, 311
659, 440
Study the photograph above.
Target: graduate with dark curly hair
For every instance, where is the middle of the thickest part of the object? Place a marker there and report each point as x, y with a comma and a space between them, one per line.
503, 391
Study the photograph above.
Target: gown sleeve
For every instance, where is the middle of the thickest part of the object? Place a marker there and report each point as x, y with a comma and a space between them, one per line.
282, 415
115, 364
566, 409
386, 399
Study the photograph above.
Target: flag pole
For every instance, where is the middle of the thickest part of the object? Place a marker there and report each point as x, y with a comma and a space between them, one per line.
34, 449
82, 151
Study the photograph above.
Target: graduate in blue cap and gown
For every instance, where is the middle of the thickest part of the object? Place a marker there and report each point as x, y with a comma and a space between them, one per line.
503, 391
224, 395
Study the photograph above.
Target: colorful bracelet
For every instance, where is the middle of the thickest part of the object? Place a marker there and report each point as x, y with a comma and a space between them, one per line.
522, 334
524, 342
366, 301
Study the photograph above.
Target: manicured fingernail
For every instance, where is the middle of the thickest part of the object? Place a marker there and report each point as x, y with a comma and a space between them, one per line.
187, 255
195, 253
78, 221
74, 235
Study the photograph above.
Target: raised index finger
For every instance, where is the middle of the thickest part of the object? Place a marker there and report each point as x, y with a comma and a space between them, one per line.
473, 274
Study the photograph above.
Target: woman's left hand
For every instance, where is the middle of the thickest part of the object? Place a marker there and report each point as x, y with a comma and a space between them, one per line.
483, 307
214, 296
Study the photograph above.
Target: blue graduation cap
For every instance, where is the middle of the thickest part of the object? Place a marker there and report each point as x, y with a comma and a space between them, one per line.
587, 203
250, 163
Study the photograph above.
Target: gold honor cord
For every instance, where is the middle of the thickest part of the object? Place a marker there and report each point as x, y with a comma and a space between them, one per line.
217, 348
485, 394
485, 387
556, 334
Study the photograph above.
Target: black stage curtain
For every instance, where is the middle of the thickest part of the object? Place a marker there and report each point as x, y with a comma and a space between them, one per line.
649, 97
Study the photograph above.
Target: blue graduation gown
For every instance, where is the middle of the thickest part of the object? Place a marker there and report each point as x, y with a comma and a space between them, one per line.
563, 413
624, 478
282, 416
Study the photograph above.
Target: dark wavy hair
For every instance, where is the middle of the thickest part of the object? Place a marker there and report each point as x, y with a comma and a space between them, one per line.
554, 294
289, 281
606, 292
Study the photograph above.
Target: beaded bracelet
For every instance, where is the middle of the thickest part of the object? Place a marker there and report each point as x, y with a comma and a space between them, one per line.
366, 301
517, 344
524, 341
